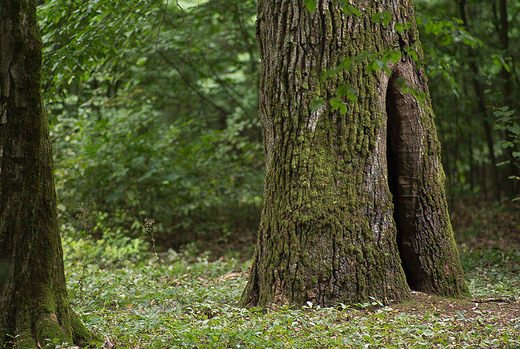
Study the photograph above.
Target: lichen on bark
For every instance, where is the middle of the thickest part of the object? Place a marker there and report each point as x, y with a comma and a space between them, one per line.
328, 232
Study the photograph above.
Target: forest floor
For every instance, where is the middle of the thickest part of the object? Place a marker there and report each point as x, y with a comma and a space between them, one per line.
489, 244
188, 299
488, 237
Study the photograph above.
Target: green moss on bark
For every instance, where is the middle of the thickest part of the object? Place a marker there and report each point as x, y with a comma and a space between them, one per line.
33, 297
328, 233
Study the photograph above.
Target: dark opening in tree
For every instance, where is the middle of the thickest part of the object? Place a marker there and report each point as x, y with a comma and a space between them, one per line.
336, 83
403, 158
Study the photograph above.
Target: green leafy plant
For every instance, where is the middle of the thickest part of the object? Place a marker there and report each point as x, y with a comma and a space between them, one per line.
188, 300
508, 122
156, 123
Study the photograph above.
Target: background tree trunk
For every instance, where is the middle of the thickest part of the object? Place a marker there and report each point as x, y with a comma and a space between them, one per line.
353, 209
481, 108
33, 298
507, 83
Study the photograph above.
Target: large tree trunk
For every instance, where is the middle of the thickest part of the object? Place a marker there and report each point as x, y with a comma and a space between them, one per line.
354, 199
33, 298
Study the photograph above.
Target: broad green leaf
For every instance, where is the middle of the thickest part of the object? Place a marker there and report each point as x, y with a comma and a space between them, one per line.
394, 56
335, 103
343, 90
351, 10
383, 18
352, 96
311, 5
317, 104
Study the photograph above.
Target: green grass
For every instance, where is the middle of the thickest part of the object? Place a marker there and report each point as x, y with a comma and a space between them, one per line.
186, 300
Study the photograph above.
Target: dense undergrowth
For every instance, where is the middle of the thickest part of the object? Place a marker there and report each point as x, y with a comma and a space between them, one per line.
141, 299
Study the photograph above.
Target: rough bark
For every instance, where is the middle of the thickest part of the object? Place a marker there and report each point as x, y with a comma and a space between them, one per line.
354, 204
34, 304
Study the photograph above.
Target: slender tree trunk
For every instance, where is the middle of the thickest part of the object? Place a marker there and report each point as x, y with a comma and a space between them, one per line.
449, 166
482, 110
33, 297
502, 27
471, 161
508, 100
354, 203
488, 131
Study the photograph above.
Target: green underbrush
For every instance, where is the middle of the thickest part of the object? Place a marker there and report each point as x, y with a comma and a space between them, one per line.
141, 299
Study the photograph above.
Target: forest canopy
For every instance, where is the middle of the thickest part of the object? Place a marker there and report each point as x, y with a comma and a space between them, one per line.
153, 111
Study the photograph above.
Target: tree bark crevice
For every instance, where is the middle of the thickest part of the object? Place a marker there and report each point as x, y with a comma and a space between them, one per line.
327, 196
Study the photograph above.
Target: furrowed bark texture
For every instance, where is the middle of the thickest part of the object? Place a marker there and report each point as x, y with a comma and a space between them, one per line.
354, 199
33, 297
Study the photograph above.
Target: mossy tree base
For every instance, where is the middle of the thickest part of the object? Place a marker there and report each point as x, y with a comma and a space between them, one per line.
354, 205
49, 331
34, 307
